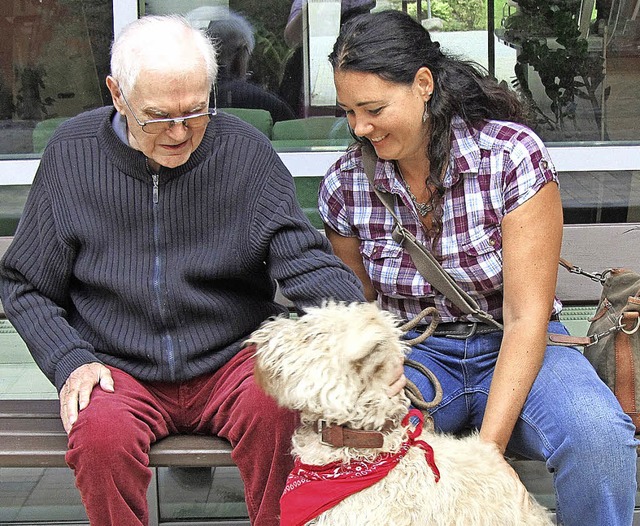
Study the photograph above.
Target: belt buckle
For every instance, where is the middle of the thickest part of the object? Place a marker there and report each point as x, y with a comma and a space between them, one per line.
473, 327
321, 426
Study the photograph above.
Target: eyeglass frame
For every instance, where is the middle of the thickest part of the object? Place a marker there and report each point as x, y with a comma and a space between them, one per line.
170, 121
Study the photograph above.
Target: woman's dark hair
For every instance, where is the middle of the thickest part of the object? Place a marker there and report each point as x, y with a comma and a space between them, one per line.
393, 46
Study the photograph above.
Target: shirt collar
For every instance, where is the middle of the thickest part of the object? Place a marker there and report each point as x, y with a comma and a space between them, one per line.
465, 151
119, 123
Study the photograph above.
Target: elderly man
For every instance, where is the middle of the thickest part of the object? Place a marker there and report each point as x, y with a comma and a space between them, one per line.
149, 249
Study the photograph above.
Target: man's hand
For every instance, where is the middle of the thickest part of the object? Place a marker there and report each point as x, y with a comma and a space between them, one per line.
76, 391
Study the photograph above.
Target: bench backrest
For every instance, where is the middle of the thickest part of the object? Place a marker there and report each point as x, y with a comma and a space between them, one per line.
595, 248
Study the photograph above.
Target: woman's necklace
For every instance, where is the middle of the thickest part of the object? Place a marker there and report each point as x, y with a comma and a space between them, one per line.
422, 208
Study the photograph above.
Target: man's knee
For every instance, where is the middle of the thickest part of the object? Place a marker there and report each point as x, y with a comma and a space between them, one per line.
106, 431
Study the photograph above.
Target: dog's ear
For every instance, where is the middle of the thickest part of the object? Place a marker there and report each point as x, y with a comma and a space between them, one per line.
380, 362
373, 359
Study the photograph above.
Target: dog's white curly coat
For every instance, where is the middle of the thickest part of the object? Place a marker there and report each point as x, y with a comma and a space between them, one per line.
335, 363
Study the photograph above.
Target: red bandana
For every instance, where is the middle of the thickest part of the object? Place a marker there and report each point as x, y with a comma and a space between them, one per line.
311, 490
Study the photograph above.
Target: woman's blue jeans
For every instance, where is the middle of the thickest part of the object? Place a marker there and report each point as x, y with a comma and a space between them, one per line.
571, 420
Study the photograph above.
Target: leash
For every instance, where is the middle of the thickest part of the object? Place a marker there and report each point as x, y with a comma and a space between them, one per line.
412, 392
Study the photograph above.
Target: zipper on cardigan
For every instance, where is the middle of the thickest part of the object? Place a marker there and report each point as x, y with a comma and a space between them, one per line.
156, 192
157, 272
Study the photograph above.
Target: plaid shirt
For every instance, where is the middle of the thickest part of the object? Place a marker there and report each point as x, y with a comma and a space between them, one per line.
492, 171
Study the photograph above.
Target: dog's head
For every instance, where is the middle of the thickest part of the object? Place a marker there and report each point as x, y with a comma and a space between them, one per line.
336, 363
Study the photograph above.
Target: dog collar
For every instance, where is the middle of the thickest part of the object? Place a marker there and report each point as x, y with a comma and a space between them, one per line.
343, 436
311, 490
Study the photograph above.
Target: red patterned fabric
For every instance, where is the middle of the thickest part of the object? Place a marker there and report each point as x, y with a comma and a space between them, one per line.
311, 490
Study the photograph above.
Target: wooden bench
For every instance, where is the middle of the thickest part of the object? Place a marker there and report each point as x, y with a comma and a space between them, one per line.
31, 435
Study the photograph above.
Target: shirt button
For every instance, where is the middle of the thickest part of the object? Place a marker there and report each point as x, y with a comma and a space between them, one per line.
544, 164
492, 242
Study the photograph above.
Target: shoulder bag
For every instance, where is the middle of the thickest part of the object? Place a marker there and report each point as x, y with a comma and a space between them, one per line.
612, 344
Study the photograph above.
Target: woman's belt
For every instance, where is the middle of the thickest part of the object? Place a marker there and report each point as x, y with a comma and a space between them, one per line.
465, 329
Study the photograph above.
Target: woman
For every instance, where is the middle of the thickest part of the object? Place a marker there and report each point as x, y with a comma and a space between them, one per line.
479, 190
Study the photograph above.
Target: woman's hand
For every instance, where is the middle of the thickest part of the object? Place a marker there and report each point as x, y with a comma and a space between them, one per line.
399, 383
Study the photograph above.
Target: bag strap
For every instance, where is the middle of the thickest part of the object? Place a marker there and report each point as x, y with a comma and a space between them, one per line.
599, 277
624, 387
585, 341
424, 261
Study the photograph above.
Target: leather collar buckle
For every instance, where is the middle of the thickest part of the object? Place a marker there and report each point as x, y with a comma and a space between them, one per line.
343, 436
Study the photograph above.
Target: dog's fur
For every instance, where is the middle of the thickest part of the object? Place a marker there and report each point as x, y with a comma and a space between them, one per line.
336, 363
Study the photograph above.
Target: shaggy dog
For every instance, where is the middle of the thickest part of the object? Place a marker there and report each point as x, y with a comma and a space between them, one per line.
334, 366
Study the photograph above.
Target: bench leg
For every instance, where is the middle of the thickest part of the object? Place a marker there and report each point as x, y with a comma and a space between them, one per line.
153, 500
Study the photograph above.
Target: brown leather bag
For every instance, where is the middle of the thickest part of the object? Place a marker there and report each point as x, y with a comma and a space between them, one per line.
613, 339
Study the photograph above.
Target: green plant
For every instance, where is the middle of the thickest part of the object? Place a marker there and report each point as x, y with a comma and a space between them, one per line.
456, 15
547, 37
460, 15
268, 58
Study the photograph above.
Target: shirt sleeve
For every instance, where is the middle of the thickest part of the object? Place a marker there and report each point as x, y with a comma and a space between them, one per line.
299, 257
34, 279
332, 204
528, 167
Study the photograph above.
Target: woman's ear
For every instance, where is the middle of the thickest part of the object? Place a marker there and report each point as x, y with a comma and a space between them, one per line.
423, 80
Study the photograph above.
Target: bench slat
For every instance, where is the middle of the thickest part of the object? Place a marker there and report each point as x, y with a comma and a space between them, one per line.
31, 409
31, 435
31, 426
48, 450
20, 451
191, 450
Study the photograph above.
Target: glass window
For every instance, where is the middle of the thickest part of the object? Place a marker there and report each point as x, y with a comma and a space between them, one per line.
39, 496
201, 493
53, 61
576, 62
600, 197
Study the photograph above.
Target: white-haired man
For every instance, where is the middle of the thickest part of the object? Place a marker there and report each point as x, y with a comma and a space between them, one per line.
148, 251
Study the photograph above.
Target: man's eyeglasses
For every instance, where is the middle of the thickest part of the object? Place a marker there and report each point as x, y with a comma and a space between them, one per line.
154, 126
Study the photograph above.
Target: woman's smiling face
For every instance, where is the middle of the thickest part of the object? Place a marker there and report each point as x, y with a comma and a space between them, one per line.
387, 113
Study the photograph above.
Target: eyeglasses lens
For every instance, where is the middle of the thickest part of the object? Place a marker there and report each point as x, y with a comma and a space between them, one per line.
197, 121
